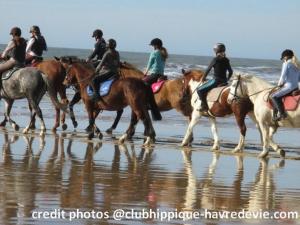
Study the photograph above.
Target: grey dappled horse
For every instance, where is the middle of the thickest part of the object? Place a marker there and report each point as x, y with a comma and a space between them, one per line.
27, 83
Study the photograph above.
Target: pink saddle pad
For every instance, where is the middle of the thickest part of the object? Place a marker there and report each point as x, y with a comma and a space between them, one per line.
157, 86
290, 103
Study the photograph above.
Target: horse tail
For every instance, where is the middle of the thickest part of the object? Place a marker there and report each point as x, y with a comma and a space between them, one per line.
152, 103
53, 96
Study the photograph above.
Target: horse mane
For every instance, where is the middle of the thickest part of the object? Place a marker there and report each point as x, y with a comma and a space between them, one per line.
127, 65
194, 74
256, 79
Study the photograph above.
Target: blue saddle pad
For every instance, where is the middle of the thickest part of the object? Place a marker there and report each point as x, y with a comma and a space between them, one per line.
103, 89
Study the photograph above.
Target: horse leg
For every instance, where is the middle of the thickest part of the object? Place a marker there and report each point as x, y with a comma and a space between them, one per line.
275, 146
240, 120
265, 137
32, 122
34, 104
131, 129
8, 106
63, 97
96, 129
117, 119
76, 98
253, 118
149, 131
188, 135
192, 135
214, 131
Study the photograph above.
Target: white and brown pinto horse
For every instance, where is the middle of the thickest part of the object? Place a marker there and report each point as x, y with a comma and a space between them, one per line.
219, 108
258, 90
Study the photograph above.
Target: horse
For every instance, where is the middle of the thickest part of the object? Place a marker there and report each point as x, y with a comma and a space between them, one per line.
56, 74
27, 83
170, 96
258, 90
124, 92
219, 108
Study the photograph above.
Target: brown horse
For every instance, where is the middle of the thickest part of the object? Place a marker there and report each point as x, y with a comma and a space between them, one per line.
220, 108
170, 96
56, 74
124, 92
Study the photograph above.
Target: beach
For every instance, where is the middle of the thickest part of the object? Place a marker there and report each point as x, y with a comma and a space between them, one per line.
66, 172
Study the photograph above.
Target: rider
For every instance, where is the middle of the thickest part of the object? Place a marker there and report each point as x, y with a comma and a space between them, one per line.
288, 82
221, 65
15, 49
99, 49
108, 67
35, 46
156, 63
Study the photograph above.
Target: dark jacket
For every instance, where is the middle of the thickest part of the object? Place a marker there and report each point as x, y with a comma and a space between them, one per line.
221, 65
99, 50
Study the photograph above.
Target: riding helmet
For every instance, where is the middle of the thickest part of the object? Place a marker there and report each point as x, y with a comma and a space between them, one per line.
289, 53
219, 47
35, 29
111, 43
97, 33
15, 31
156, 42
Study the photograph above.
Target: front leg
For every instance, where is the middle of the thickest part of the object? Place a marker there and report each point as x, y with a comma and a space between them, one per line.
214, 131
188, 135
76, 98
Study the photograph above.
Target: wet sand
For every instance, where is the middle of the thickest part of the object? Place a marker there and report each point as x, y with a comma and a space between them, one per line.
66, 171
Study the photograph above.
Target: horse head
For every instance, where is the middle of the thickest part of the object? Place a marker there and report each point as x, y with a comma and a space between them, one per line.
237, 89
189, 76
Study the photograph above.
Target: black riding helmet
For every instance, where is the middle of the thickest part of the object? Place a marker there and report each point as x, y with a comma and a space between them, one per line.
289, 53
219, 47
35, 29
16, 31
111, 43
156, 42
97, 33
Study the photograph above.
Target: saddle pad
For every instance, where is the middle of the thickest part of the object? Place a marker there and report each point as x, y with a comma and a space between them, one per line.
214, 94
7, 74
103, 89
157, 86
290, 103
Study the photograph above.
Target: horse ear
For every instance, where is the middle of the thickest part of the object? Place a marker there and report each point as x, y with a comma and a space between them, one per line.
56, 58
70, 60
183, 71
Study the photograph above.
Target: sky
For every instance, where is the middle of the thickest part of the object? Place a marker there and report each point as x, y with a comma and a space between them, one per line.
249, 28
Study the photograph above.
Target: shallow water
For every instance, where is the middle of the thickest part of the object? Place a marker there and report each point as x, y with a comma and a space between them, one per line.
64, 171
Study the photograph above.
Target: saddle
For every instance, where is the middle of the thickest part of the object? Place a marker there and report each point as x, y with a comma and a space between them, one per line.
158, 85
7, 74
104, 87
290, 101
214, 94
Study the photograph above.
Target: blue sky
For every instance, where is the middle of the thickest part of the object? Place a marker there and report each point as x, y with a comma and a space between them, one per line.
249, 28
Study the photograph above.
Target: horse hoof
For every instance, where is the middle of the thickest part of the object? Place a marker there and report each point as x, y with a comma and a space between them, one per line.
25, 131
215, 148
237, 150
42, 133
91, 136
16, 127
109, 131
88, 129
64, 126
53, 130
75, 124
2, 124
282, 153
32, 127
100, 136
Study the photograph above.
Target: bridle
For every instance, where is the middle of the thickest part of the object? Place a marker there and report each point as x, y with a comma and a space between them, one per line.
79, 81
237, 97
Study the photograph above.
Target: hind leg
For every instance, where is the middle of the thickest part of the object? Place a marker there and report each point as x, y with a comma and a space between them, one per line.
214, 131
32, 116
240, 120
131, 129
149, 132
275, 146
38, 111
76, 98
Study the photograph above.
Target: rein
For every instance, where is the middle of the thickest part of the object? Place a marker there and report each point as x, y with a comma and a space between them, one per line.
241, 97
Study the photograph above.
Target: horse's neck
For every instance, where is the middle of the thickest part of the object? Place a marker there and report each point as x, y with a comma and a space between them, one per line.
193, 86
257, 86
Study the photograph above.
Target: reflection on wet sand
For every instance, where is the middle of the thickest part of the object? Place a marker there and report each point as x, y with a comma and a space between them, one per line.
60, 172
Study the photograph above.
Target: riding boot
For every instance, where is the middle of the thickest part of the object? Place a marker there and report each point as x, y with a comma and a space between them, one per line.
96, 96
278, 112
204, 106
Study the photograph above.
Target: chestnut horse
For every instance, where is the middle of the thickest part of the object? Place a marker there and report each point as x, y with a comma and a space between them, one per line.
124, 92
170, 96
56, 74
220, 108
